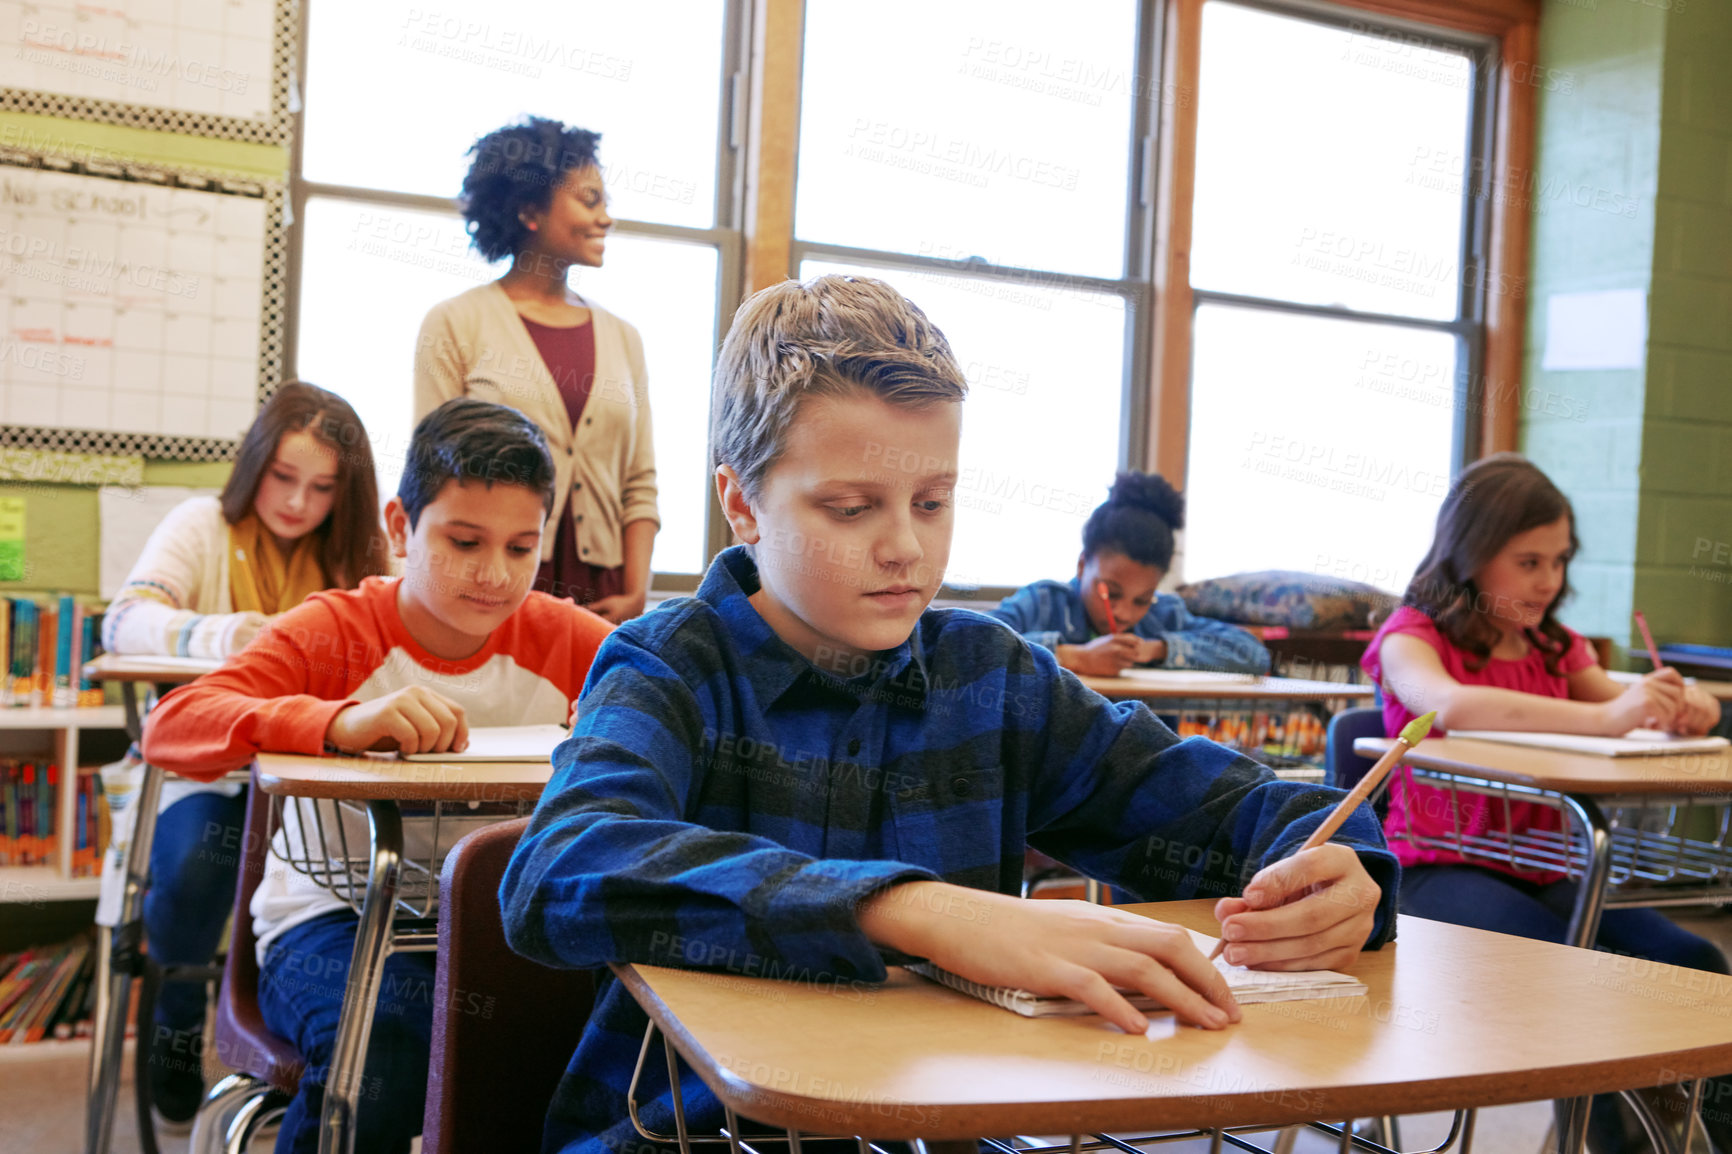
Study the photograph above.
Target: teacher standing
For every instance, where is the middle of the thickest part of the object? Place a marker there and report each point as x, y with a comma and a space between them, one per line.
534, 193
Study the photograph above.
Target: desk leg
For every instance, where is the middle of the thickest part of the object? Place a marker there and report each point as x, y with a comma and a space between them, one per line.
1591, 894
1572, 1123
1587, 819
366, 972
116, 956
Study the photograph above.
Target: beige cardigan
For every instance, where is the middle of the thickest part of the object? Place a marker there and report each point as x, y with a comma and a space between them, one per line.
475, 345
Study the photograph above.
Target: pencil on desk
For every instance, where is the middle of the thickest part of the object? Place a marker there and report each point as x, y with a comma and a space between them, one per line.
1411, 735
1107, 604
1648, 640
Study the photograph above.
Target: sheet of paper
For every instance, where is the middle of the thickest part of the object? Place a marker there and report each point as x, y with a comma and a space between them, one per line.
1596, 330
1188, 677
11, 538
127, 517
503, 743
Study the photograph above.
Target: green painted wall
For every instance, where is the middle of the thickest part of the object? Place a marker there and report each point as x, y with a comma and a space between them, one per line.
1683, 570
60, 521
1633, 167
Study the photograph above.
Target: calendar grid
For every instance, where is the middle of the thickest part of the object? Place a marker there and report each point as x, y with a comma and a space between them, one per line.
200, 67
140, 314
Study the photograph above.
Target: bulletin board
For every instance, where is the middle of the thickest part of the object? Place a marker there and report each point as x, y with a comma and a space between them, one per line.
139, 310
217, 68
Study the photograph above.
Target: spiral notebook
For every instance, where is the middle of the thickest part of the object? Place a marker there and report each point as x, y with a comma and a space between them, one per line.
1249, 988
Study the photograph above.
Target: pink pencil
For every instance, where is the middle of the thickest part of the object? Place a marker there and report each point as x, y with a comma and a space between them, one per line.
1648, 640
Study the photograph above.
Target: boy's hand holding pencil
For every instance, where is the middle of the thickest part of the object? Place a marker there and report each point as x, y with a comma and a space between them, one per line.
1315, 909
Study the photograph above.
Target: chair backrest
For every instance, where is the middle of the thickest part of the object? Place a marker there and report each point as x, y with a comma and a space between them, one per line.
1342, 767
242, 1040
504, 1027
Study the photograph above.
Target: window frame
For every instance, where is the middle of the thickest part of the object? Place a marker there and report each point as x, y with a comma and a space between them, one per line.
1503, 127
1135, 285
1468, 328
725, 234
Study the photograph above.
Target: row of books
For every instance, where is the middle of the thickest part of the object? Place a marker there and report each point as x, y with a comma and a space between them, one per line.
29, 811
44, 644
47, 992
1297, 734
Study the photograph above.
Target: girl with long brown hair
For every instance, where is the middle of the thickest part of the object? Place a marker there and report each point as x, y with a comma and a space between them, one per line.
299, 513
1477, 639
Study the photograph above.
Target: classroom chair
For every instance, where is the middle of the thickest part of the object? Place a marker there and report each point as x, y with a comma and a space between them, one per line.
269, 1069
504, 1027
1342, 767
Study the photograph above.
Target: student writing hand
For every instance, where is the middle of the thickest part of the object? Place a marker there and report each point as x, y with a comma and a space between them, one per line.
1698, 714
1105, 656
1311, 911
1068, 948
411, 720
247, 628
1653, 703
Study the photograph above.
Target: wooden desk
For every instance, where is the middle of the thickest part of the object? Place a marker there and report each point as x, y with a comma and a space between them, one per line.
1176, 685
1583, 786
117, 960
1455, 1017
381, 778
380, 783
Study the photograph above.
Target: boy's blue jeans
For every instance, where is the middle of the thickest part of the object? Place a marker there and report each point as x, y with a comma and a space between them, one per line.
194, 861
301, 998
1488, 900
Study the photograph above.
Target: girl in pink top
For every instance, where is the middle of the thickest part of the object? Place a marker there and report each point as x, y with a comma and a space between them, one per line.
1477, 640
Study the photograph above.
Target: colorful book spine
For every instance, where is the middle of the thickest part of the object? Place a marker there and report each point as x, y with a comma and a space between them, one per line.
65, 649
23, 650
90, 645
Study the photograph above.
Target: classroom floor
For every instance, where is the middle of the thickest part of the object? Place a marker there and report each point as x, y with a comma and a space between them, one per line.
42, 1100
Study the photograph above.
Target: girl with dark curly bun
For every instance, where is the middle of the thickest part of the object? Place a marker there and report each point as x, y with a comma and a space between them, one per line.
534, 194
1127, 550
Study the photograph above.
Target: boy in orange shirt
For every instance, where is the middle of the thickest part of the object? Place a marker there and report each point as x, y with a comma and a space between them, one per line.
404, 663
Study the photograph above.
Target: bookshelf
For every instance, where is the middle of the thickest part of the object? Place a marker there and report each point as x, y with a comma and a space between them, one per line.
54, 733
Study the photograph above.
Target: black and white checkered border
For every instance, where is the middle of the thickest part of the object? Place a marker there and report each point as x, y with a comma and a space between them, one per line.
272, 313
275, 130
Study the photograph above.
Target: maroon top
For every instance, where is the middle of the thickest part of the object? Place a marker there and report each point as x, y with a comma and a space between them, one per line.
569, 354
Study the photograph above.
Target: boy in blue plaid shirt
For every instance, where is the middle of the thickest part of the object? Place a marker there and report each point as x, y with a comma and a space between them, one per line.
804, 772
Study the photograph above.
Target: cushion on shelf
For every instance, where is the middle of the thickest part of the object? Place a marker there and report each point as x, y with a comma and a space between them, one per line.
1288, 597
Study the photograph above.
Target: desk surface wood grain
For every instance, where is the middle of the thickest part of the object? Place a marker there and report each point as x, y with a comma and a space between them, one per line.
1454, 1017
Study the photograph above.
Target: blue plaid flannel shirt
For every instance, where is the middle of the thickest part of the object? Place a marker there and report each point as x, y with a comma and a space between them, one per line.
722, 803
1050, 613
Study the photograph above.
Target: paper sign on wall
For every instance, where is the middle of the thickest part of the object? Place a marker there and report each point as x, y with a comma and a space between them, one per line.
1596, 330
11, 538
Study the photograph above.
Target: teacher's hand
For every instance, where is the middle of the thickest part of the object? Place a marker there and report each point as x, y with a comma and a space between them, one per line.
618, 608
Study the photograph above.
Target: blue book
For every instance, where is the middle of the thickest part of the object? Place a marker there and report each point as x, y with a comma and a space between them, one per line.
65, 677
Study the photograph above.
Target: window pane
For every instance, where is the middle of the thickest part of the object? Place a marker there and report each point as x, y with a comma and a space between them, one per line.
975, 129
1317, 159
463, 68
369, 275
1040, 428
1316, 445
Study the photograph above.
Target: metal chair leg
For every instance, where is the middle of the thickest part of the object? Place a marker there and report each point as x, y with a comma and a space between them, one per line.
116, 963
254, 1116
210, 1125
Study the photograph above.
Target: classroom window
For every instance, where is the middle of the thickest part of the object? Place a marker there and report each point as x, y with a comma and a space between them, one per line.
1336, 269
378, 241
992, 168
